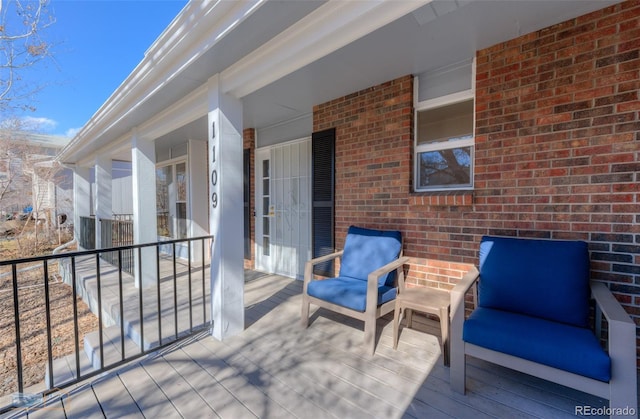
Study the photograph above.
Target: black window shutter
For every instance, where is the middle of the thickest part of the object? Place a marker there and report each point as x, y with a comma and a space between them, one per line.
323, 145
247, 200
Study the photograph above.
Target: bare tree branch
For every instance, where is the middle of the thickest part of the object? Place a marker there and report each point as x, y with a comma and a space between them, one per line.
22, 46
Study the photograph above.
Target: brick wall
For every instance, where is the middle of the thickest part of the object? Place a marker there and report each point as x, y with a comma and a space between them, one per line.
558, 140
374, 142
249, 143
557, 154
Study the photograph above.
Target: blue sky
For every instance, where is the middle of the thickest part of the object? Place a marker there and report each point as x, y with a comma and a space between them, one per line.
97, 45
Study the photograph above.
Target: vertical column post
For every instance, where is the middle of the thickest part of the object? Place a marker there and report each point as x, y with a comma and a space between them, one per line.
225, 211
81, 198
103, 208
198, 197
145, 228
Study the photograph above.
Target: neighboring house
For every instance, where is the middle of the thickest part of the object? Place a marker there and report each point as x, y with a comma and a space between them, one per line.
52, 194
30, 179
446, 120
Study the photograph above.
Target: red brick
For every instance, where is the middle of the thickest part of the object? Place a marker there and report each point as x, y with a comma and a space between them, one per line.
553, 135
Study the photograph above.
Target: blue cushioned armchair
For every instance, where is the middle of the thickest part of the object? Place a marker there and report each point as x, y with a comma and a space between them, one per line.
532, 315
366, 286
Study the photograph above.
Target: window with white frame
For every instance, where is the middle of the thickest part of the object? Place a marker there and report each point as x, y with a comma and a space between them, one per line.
444, 144
171, 198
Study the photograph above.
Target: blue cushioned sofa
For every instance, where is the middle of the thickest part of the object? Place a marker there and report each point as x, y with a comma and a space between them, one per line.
532, 315
366, 286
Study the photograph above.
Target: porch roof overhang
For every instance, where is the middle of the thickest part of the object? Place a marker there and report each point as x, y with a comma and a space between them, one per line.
282, 58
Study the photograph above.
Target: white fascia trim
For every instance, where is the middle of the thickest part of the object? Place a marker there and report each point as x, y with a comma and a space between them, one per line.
186, 110
198, 27
327, 29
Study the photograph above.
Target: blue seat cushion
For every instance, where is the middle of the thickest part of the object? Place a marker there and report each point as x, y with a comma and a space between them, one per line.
543, 278
348, 292
366, 250
562, 346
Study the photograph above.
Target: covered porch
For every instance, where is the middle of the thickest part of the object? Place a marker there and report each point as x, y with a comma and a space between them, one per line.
265, 93
275, 368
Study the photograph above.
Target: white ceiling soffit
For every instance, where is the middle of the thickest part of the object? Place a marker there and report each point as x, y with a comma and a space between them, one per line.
412, 44
334, 47
329, 28
199, 27
436, 9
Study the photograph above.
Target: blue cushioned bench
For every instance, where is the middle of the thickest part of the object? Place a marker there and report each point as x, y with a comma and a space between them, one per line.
366, 285
532, 315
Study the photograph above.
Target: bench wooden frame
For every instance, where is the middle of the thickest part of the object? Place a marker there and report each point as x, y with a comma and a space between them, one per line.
621, 390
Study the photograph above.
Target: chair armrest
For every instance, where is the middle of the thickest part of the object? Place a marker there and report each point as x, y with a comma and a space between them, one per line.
620, 323
372, 280
457, 298
308, 267
621, 342
391, 266
610, 307
326, 258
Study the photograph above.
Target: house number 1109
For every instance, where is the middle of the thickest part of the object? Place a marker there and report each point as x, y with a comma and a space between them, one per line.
214, 178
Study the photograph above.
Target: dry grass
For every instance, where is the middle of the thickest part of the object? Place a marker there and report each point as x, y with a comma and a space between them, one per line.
33, 320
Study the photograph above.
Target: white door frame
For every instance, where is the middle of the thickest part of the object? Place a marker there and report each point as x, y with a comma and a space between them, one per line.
263, 260
268, 262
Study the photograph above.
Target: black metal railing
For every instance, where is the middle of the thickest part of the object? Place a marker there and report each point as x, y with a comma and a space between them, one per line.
169, 303
87, 233
117, 232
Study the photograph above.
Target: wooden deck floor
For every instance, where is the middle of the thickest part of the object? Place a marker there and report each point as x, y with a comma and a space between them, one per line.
277, 369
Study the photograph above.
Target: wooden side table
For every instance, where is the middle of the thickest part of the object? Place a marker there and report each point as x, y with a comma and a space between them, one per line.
425, 300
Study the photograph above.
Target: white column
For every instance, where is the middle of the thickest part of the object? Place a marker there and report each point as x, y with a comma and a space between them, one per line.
226, 211
145, 229
81, 197
198, 196
104, 201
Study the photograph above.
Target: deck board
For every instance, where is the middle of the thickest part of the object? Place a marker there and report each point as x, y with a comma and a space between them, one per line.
291, 398
82, 403
152, 402
187, 402
237, 382
51, 410
221, 401
272, 363
278, 369
115, 400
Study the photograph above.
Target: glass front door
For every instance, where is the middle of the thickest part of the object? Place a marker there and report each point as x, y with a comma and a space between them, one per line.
283, 227
263, 204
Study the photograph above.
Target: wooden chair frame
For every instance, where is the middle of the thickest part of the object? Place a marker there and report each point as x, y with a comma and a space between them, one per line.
621, 390
372, 311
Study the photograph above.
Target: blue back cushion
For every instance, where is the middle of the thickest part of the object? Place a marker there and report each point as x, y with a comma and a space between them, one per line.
548, 279
367, 250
